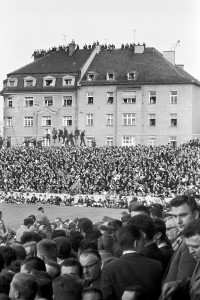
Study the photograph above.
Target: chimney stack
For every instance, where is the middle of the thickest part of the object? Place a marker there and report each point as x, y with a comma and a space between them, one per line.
170, 56
72, 47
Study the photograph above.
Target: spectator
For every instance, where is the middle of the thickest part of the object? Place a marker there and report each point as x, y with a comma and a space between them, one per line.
22, 229
47, 250
71, 266
92, 293
106, 248
53, 269
172, 232
23, 287
67, 287
32, 263
63, 248
44, 283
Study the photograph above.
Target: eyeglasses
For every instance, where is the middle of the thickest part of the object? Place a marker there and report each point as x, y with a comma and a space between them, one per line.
91, 265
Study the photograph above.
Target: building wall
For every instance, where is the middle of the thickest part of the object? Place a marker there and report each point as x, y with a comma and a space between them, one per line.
196, 111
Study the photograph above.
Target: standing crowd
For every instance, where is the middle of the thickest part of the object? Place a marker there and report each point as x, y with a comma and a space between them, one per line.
149, 253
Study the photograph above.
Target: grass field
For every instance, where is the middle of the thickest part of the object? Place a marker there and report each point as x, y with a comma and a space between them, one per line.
14, 214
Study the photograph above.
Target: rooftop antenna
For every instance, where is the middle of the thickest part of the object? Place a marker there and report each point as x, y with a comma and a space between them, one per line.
64, 38
174, 46
106, 41
134, 34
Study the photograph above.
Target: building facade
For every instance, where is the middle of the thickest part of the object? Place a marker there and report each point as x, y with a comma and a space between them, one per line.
120, 97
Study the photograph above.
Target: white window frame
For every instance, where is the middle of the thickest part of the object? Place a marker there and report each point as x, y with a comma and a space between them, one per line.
173, 120
129, 97
90, 98
28, 121
89, 140
29, 79
9, 102
9, 122
91, 76
48, 101
173, 141
152, 97
173, 97
110, 97
48, 79
128, 140
109, 141
67, 121
131, 75
151, 118
152, 140
45, 142
128, 119
46, 121
109, 120
67, 101
28, 101
12, 82
89, 120
110, 76
68, 80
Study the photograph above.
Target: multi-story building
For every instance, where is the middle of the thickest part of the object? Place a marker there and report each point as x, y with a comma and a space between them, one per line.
119, 97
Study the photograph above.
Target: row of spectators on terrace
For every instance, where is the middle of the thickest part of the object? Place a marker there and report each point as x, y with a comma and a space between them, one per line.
140, 170
65, 48
146, 254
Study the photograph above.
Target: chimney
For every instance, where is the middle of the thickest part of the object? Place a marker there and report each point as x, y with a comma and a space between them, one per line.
72, 47
170, 56
139, 48
181, 66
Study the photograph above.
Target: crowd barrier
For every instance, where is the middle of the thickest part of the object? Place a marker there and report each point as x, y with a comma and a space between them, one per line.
96, 197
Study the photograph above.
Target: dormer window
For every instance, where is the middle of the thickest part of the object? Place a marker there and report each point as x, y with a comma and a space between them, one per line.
68, 80
29, 81
12, 82
132, 75
110, 76
91, 77
5, 84
49, 81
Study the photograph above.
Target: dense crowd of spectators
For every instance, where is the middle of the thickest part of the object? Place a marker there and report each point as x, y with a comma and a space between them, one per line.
140, 170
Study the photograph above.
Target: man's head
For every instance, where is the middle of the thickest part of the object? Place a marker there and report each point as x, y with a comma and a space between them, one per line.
44, 282
41, 209
184, 210
32, 263
27, 222
67, 287
145, 224
84, 224
92, 293
71, 266
128, 237
63, 247
47, 250
91, 263
192, 238
106, 243
23, 286
139, 209
171, 229
160, 230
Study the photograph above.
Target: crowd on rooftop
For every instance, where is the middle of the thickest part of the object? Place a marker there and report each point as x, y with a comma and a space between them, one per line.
140, 170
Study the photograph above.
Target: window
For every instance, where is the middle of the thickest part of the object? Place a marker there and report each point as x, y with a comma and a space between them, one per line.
152, 140
28, 121
91, 77
45, 142
152, 97
29, 81
109, 119
28, 101
129, 97
68, 80
173, 97
67, 101
128, 141
173, 141
110, 97
48, 101
89, 140
90, 98
49, 81
109, 141
173, 120
110, 76
128, 119
67, 121
10, 102
9, 121
46, 121
89, 120
152, 119
12, 82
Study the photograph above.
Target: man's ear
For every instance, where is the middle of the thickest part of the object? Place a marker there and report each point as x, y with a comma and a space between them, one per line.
17, 294
158, 235
135, 245
196, 214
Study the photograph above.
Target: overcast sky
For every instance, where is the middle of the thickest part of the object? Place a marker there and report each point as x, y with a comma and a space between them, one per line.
40, 24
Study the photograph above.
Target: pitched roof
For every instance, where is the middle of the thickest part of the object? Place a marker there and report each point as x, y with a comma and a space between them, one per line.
56, 62
151, 66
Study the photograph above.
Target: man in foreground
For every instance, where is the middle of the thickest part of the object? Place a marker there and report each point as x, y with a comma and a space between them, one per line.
189, 287
23, 287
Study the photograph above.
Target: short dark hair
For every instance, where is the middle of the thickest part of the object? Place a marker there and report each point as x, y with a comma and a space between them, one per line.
87, 244
127, 235
92, 234
193, 228
143, 208
70, 262
75, 239
5, 283
44, 282
34, 263
84, 224
144, 223
115, 223
67, 287
91, 251
29, 236
184, 199
27, 222
160, 227
63, 246
9, 254
57, 233
26, 285
106, 242
20, 251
